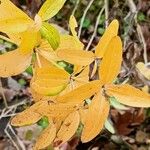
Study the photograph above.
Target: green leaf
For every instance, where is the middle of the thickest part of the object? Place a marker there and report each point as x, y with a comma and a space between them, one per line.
141, 17
43, 122
86, 23
116, 104
101, 30
29, 135
22, 82
50, 34
50, 8
29, 70
109, 126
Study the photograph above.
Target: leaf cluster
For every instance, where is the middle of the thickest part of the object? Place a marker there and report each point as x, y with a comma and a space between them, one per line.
59, 95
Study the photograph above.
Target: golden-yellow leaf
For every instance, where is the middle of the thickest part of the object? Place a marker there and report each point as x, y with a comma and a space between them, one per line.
31, 115
9, 10
81, 78
39, 97
111, 62
29, 42
50, 80
13, 25
81, 93
13, 38
13, 63
83, 114
48, 87
73, 25
68, 128
50, 8
48, 55
77, 57
77, 69
95, 118
68, 41
12, 19
110, 32
46, 138
129, 95
26, 118
58, 111
52, 72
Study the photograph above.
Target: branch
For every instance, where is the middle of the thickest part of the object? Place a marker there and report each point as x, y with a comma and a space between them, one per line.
83, 17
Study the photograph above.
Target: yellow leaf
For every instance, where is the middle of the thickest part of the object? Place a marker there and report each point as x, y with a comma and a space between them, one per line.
111, 62
48, 87
77, 69
46, 138
81, 78
29, 42
81, 93
13, 38
73, 25
83, 114
77, 57
9, 10
52, 72
68, 128
12, 19
39, 97
68, 41
31, 115
48, 55
145, 71
49, 80
58, 111
13, 25
26, 118
95, 118
13, 63
45, 46
67, 89
50, 8
110, 32
43, 62
128, 95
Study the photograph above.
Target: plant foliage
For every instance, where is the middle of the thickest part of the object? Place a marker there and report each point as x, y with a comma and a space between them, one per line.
58, 95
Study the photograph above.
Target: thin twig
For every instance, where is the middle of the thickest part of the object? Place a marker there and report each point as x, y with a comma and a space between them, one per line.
76, 6
5, 112
20, 143
142, 39
95, 28
106, 5
17, 138
139, 30
83, 17
3, 95
38, 60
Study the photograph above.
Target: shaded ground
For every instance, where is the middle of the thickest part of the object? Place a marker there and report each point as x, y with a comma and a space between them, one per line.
132, 126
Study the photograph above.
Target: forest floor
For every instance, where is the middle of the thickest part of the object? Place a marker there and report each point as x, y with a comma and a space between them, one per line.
132, 126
